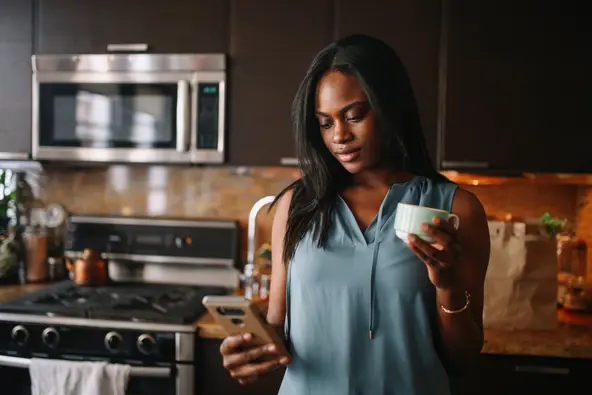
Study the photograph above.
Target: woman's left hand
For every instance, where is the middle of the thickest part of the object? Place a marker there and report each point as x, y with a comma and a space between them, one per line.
442, 257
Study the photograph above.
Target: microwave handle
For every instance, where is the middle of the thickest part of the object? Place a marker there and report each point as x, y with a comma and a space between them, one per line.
183, 109
136, 371
127, 47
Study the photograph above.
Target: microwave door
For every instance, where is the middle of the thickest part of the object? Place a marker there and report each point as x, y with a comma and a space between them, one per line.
112, 117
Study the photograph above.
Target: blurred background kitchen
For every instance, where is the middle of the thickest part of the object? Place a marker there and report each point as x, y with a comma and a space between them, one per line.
503, 90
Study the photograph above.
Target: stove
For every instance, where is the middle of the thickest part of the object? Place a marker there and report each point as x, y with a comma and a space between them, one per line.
129, 302
160, 270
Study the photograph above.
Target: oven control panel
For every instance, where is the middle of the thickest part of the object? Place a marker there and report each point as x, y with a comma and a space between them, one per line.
212, 242
43, 340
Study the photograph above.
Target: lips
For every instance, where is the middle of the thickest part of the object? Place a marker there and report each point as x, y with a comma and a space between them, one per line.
349, 155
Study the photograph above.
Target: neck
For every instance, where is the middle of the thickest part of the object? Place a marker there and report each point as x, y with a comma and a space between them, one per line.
381, 177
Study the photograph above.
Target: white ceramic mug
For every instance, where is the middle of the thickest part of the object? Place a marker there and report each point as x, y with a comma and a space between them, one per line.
409, 218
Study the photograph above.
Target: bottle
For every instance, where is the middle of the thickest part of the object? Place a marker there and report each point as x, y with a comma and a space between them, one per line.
19, 247
572, 263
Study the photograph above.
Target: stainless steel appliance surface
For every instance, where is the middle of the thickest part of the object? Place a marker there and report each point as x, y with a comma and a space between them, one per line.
130, 108
139, 318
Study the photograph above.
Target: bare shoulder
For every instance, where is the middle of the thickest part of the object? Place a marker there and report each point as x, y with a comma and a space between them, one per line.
473, 232
282, 210
277, 299
466, 204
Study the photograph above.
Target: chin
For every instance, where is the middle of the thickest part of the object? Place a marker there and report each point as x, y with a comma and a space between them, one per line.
353, 167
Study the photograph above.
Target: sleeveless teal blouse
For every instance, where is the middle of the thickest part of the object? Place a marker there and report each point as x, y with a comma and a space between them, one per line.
361, 314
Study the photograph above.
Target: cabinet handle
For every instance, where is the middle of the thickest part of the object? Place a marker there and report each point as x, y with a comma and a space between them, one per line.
289, 161
542, 369
465, 164
127, 47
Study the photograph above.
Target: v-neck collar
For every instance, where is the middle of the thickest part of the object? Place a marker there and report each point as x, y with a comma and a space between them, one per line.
387, 209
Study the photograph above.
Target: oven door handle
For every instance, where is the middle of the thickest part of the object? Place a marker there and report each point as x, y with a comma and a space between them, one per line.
183, 118
137, 371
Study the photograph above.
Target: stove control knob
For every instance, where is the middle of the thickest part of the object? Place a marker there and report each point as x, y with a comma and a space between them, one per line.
20, 335
146, 344
50, 337
113, 341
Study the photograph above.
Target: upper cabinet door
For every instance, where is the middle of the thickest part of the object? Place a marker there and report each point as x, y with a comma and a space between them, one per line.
518, 87
87, 26
412, 28
272, 43
15, 78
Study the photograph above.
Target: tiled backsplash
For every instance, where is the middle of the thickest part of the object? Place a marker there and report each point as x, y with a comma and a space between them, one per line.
229, 192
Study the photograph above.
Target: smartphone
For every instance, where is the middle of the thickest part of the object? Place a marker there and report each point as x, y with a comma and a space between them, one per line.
237, 315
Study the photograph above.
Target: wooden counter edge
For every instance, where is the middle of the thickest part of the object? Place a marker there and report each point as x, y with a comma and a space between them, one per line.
560, 346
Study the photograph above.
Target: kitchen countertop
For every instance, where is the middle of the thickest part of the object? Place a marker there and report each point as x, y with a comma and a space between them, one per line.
8, 292
572, 339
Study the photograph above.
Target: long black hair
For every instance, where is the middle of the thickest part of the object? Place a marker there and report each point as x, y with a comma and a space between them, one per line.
384, 79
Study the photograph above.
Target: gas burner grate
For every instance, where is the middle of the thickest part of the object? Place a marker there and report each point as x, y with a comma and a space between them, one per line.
122, 302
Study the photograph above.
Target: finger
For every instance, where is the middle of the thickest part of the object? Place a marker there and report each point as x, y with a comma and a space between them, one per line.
232, 343
247, 380
420, 254
254, 369
446, 226
439, 235
429, 254
232, 361
423, 245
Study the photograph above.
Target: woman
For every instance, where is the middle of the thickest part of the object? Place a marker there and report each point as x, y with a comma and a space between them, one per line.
363, 312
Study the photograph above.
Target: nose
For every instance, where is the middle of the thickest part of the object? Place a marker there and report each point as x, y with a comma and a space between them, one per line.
341, 133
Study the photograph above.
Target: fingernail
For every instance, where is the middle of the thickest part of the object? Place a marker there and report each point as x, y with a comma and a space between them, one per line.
247, 336
284, 360
412, 238
271, 347
424, 227
436, 220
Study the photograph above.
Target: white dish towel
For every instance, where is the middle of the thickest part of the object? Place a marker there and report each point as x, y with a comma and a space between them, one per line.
59, 377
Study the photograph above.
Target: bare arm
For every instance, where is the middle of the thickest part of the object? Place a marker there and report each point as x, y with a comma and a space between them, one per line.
462, 334
458, 264
277, 299
242, 364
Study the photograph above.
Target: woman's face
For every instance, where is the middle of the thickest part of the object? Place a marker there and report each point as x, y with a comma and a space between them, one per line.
347, 122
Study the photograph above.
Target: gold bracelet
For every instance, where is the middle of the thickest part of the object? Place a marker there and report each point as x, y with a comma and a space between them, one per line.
466, 306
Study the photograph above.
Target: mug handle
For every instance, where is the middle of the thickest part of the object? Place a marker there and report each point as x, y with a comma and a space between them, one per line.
456, 220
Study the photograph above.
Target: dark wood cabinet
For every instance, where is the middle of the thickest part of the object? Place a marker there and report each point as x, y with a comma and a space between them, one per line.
501, 86
86, 26
271, 47
517, 87
491, 375
412, 28
15, 78
518, 375
213, 379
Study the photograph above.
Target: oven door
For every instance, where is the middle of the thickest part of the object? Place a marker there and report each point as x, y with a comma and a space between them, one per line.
172, 380
112, 117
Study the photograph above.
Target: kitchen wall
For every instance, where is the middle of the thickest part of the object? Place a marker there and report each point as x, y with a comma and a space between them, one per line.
229, 192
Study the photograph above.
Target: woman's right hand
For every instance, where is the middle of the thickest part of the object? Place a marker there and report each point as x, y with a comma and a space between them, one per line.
241, 363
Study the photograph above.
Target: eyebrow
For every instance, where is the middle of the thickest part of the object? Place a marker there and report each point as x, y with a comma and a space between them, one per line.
346, 108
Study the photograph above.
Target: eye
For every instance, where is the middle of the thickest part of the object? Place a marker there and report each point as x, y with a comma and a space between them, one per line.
356, 115
325, 124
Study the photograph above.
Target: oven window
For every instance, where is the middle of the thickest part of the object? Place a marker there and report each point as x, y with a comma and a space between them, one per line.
108, 115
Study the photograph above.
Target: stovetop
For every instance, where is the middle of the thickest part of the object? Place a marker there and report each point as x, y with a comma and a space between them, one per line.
156, 303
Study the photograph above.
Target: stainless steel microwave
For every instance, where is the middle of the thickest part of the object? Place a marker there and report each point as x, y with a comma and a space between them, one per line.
139, 108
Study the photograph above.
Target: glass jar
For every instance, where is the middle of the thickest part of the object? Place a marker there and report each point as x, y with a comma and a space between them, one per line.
572, 263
